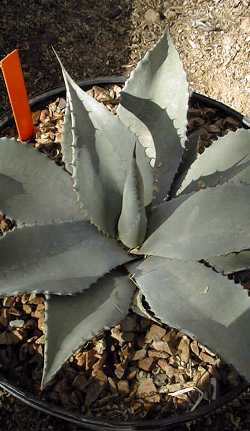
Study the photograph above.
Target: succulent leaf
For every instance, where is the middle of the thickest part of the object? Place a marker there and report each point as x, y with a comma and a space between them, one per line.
206, 305
226, 160
71, 321
212, 222
232, 262
161, 213
61, 258
132, 223
100, 164
154, 105
33, 188
67, 139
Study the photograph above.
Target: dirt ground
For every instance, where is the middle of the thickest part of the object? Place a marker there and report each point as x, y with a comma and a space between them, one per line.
93, 39
106, 38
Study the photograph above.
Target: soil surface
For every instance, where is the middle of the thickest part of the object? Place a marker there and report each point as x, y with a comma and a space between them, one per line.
212, 36
96, 39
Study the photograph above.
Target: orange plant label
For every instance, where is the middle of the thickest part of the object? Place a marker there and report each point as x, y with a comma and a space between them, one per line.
14, 80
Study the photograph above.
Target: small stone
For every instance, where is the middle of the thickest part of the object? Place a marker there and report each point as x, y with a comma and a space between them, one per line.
36, 299
58, 137
155, 333
100, 376
27, 308
19, 333
100, 347
61, 103
8, 301
203, 381
101, 94
168, 369
41, 340
40, 306
184, 350
117, 334
146, 364
119, 371
160, 379
132, 374
36, 117
90, 359
139, 354
123, 387
25, 298
154, 398
37, 314
155, 354
18, 323
146, 387
170, 336
151, 16
80, 358
207, 358
43, 115
162, 346
112, 384
195, 348
41, 324
175, 387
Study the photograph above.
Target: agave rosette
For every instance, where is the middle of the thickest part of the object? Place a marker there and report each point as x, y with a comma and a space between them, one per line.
78, 229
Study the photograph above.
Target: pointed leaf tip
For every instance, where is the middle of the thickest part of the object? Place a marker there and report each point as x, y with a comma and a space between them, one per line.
25, 175
102, 147
211, 222
207, 305
156, 111
59, 259
226, 160
132, 223
103, 305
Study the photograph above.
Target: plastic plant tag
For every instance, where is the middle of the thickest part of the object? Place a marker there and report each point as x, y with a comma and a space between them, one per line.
14, 80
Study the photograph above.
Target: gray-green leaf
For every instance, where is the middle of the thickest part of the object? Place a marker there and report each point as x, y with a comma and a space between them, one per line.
226, 159
67, 139
32, 187
102, 148
71, 321
132, 223
154, 105
212, 222
206, 305
60, 258
232, 262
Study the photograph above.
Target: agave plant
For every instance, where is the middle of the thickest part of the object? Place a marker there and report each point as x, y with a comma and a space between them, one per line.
121, 218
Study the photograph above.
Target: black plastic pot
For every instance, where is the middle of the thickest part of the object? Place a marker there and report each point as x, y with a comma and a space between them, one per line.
104, 425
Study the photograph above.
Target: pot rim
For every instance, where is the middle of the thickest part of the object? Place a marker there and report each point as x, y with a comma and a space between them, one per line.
103, 424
